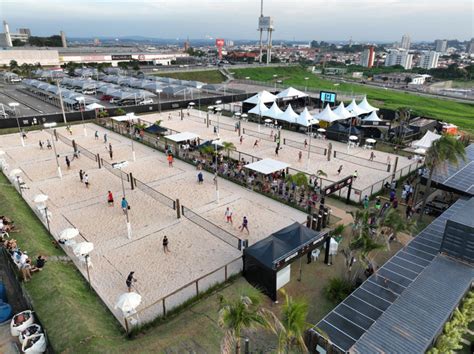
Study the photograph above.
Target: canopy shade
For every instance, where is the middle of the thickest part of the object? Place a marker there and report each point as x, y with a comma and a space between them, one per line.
427, 140
92, 106
342, 112
290, 92
306, 119
128, 302
184, 136
372, 117
289, 115
83, 248
124, 118
327, 115
68, 234
355, 110
260, 109
155, 129
365, 105
274, 112
263, 96
15, 171
40, 198
267, 166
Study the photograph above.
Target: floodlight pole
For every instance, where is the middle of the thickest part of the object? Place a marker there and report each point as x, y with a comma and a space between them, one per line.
61, 101
54, 149
215, 176
79, 99
14, 105
309, 146
129, 226
131, 137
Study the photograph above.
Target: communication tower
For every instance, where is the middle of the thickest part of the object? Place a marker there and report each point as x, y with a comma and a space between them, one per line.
265, 24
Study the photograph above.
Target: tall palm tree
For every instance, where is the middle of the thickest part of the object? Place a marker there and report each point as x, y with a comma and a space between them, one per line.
228, 147
292, 325
238, 314
446, 149
391, 224
298, 178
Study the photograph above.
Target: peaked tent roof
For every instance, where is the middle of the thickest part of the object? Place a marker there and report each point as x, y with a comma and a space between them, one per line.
342, 112
291, 92
328, 115
355, 109
365, 105
267, 166
427, 140
372, 117
274, 112
306, 119
260, 109
282, 243
289, 115
263, 96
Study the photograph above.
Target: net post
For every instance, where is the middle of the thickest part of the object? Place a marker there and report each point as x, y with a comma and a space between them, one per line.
178, 209
132, 182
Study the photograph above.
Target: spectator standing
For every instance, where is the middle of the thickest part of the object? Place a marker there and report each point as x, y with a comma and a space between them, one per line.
81, 175
366, 202
68, 163
105, 138
200, 177
228, 215
165, 245
41, 145
96, 135
86, 180
170, 160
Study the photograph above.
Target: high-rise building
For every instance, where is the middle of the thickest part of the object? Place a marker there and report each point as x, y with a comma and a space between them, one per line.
406, 43
399, 57
441, 45
24, 31
429, 60
470, 47
63, 39
367, 57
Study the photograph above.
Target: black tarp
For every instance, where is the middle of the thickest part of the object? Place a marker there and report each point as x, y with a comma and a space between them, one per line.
155, 129
265, 258
340, 132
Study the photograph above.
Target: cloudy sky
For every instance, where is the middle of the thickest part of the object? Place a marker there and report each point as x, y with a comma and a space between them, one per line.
363, 20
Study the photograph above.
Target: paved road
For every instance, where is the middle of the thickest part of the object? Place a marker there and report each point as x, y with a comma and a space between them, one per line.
29, 105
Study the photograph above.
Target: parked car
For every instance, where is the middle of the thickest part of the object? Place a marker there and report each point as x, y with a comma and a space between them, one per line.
105, 98
146, 101
88, 92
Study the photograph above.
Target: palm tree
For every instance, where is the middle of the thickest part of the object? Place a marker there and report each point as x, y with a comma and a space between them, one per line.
228, 147
292, 325
445, 149
393, 223
298, 178
238, 314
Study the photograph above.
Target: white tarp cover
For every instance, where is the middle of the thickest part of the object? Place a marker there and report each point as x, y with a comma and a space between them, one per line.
342, 112
427, 140
263, 96
267, 166
306, 119
274, 112
328, 115
365, 105
260, 109
355, 109
184, 136
291, 92
124, 118
289, 115
372, 117
92, 106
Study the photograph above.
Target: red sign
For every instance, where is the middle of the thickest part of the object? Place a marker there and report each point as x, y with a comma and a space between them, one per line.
220, 42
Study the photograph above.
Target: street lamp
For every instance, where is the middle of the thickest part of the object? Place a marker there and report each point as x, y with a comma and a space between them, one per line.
274, 78
61, 101
130, 117
14, 105
119, 166
306, 84
218, 111
159, 91
50, 126
83, 100
215, 142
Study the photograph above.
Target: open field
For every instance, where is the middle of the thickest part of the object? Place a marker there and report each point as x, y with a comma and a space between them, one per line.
461, 114
207, 76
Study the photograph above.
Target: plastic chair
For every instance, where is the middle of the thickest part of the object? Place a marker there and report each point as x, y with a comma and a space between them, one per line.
315, 254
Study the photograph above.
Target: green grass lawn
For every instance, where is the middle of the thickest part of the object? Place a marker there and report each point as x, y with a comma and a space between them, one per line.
461, 114
207, 76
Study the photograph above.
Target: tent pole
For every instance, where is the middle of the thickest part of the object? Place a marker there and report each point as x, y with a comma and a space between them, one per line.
299, 278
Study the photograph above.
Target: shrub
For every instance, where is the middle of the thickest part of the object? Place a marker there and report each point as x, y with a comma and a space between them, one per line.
338, 289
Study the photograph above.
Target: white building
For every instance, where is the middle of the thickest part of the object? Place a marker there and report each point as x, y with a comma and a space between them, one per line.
406, 42
367, 58
441, 45
429, 60
399, 57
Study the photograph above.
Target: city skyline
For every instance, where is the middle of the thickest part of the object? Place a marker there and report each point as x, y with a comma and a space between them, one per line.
321, 20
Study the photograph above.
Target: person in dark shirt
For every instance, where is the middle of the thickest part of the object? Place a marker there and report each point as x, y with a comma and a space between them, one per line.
40, 262
130, 280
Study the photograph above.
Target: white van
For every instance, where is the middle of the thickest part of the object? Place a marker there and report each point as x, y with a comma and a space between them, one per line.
146, 101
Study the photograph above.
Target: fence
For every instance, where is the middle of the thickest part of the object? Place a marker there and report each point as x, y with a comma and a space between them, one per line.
259, 135
192, 289
153, 193
377, 165
298, 145
212, 228
63, 139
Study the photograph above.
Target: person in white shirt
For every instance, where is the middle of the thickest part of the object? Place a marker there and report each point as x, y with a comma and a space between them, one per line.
228, 215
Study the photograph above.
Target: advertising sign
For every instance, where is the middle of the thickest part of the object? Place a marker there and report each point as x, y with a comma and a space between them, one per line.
327, 97
220, 42
121, 57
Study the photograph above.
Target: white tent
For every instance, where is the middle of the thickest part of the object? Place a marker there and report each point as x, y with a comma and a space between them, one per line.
355, 110
342, 112
92, 106
267, 166
427, 140
372, 117
290, 92
364, 105
274, 112
306, 119
184, 136
289, 115
260, 109
263, 96
328, 115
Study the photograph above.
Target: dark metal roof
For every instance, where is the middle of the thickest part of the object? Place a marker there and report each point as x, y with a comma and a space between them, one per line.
364, 308
458, 177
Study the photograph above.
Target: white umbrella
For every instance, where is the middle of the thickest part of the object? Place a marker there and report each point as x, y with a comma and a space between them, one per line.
192, 104
244, 115
238, 114
40, 198
128, 302
353, 137
218, 109
420, 151
321, 130
268, 120
15, 171
68, 234
83, 248
370, 141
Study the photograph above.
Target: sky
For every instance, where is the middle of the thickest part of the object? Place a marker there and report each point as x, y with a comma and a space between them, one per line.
363, 20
